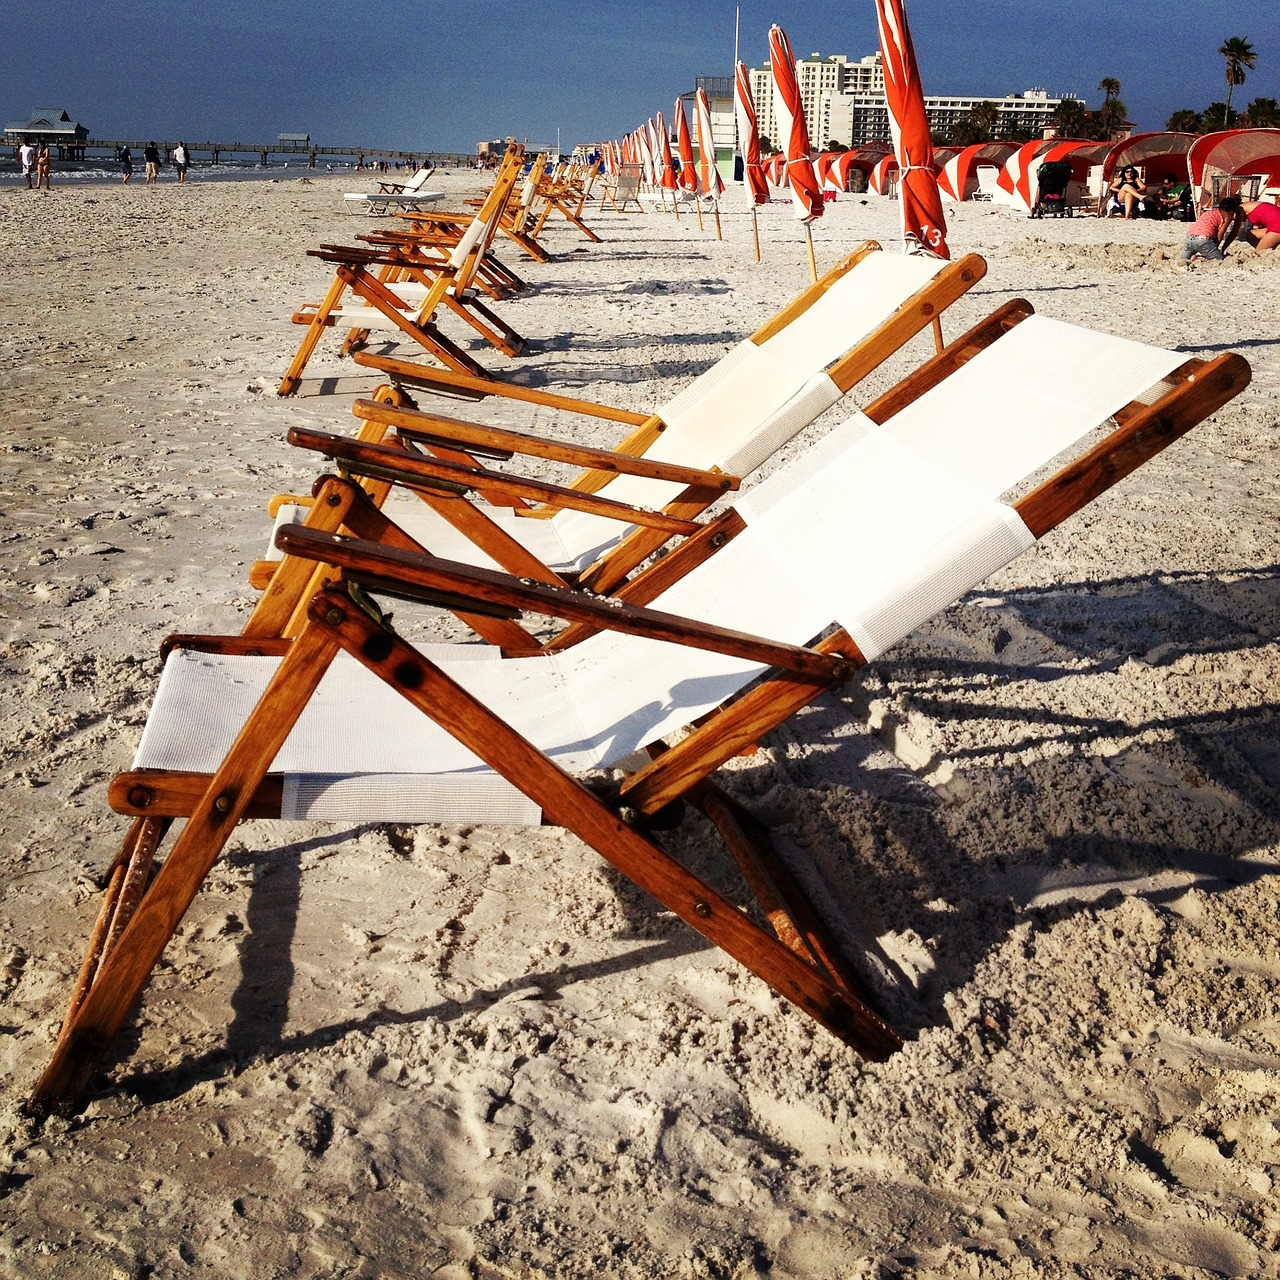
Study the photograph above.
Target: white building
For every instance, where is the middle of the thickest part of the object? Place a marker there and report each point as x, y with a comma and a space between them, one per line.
844, 102
819, 78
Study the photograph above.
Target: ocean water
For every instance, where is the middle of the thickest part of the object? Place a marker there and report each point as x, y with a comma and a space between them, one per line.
97, 170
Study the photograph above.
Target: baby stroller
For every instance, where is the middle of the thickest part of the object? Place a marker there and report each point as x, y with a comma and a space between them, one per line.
1051, 189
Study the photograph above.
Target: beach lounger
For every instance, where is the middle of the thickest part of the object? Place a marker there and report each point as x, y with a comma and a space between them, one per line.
367, 274
408, 376
410, 194
722, 427
621, 189
567, 193
351, 502
872, 531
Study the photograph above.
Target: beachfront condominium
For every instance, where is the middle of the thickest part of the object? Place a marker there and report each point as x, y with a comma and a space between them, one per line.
844, 103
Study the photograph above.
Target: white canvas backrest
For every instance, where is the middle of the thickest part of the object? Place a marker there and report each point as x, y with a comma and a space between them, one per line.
758, 397
877, 528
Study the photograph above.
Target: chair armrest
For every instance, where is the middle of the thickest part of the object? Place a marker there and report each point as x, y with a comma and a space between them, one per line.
416, 576
385, 462
468, 386
429, 428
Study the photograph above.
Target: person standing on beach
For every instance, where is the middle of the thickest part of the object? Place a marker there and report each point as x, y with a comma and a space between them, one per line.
151, 155
180, 161
1209, 235
126, 163
42, 166
27, 158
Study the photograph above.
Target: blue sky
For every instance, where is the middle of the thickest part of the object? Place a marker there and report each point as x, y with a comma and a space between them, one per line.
443, 74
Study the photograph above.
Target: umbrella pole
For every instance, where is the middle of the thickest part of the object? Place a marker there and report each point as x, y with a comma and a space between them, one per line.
697, 204
813, 263
716, 209
755, 231
675, 200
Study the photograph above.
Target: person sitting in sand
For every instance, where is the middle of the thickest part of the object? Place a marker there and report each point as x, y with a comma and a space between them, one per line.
1127, 191
1210, 234
1173, 200
1263, 219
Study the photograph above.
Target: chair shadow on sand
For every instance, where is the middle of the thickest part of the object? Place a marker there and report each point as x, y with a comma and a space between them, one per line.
875, 851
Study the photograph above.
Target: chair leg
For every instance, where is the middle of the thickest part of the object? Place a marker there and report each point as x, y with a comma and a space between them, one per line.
124, 970
310, 339
779, 894
569, 804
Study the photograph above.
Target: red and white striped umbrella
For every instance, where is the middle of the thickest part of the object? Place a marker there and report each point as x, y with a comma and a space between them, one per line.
748, 137
667, 167
924, 228
647, 157
684, 145
806, 195
712, 183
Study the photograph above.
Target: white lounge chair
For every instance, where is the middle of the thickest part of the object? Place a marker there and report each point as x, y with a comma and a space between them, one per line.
393, 196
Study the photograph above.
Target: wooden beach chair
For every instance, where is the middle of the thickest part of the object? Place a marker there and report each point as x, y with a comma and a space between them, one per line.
349, 721
567, 194
406, 377
352, 502
370, 275
722, 427
621, 189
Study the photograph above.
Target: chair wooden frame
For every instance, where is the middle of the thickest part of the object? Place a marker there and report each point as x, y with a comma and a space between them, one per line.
368, 273
351, 503
463, 443
408, 376
138, 919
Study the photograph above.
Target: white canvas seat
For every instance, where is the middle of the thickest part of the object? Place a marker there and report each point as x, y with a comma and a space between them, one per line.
920, 493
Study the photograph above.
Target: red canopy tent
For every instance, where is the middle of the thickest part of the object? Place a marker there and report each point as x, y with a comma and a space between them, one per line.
1217, 158
958, 176
882, 175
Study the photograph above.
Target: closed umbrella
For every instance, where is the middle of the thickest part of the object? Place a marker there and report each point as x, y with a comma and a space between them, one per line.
712, 183
924, 230
753, 178
688, 170
666, 165
806, 196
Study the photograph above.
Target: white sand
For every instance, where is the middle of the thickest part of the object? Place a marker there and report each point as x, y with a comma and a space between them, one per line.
1051, 817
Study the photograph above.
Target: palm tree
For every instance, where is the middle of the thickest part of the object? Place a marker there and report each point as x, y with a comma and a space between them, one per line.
1184, 121
1110, 87
1262, 113
1070, 118
1240, 54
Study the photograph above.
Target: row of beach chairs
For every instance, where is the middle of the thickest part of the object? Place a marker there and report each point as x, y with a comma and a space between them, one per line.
661, 667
